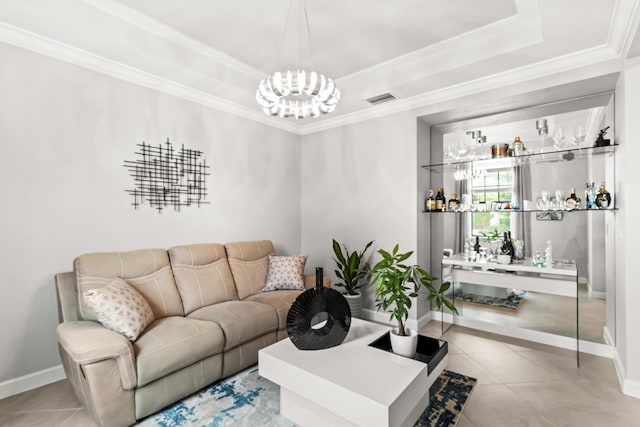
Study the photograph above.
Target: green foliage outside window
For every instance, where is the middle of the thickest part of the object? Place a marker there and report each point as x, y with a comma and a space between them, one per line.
495, 186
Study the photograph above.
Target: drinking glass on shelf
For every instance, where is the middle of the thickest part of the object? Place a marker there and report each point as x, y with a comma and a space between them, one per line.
558, 138
578, 135
518, 247
466, 202
450, 153
560, 202
538, 259
543, 201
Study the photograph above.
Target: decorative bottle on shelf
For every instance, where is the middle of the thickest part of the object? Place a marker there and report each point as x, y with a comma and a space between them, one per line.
603, 199
430, 203
440, 201
506, 248
453, 203
512, 250
573, 201
476, 247
590, 196
548, 254
518, 147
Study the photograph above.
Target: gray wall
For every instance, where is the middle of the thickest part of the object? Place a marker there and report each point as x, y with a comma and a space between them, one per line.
65, 133
359, 184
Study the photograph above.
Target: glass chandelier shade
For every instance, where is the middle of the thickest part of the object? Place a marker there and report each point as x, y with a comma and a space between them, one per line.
298, 94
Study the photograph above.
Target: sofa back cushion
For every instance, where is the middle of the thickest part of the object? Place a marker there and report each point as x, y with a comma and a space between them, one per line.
249, 262
147, 270
202, 274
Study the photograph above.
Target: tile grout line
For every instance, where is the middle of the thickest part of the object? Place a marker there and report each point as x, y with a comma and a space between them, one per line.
70, 416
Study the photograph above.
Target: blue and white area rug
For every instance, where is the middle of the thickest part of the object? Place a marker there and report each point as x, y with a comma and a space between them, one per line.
512, 301
247, 399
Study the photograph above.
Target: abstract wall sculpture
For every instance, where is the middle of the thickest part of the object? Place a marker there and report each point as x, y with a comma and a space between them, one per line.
319, 318
166, 178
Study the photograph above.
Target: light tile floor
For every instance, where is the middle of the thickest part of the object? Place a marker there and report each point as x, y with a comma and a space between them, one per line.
519, 384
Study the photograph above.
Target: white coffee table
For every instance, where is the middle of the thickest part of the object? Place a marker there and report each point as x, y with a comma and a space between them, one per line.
348, 385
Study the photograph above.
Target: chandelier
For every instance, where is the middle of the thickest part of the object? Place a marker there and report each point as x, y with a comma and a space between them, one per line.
297, 93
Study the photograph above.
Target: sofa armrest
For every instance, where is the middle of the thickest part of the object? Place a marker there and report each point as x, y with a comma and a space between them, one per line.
89, 342
310, 281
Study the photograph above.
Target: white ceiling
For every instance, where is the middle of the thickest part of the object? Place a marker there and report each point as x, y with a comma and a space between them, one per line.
215, 52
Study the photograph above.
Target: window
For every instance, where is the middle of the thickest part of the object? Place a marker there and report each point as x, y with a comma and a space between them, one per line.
494, 187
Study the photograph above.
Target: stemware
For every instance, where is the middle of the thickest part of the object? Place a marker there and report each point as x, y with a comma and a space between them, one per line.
558, 138
578, 135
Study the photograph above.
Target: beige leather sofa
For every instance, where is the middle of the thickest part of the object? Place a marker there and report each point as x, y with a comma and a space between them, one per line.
211, 318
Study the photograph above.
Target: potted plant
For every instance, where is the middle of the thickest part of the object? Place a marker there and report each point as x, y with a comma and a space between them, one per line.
396, 283
351, 274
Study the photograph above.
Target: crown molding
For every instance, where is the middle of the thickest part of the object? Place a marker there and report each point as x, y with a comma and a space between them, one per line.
589, 57
624, 22
145, 22
623, 26
55, 49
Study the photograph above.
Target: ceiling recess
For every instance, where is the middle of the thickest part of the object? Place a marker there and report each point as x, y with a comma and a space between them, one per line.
379, 99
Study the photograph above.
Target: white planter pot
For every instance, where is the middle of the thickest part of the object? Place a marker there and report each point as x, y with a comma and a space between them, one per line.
355, 304
404, 346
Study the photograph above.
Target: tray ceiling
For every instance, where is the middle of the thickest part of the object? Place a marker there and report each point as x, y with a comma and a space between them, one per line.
214, 52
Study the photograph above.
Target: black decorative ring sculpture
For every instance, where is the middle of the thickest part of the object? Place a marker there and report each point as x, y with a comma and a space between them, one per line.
319, 318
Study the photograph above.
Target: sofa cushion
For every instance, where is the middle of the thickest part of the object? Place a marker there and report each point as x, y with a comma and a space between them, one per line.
147, 270
119, 307
285, 272
172, 343
241, 321
280, 301
202, 274
249, 262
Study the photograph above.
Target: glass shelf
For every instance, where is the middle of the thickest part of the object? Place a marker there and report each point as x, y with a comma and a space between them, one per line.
522, 211
549, 156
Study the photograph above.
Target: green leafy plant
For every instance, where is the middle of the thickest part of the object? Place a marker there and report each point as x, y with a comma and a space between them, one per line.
489, 237
349, 269
396, 283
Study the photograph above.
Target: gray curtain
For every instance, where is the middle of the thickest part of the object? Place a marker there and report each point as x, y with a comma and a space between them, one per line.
460, 228
521, 222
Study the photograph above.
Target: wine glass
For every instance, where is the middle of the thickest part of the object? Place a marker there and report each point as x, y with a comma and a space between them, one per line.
560, 200
578, 135
558, 138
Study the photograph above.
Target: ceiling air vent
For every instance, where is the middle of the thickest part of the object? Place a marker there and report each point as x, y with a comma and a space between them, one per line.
379, 99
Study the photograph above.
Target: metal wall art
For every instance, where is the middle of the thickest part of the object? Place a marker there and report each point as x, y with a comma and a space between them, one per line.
166, 178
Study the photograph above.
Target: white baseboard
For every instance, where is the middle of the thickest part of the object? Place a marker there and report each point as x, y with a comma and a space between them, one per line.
31, 381
628, 387
608, 338
631, 388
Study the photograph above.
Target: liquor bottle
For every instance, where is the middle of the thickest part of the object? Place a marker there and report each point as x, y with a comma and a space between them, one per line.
590, 196
506, 250
603, 199
453, 203
440, 206
476, 247
518, 147
512, 250
573, 201
430, 203
444, 200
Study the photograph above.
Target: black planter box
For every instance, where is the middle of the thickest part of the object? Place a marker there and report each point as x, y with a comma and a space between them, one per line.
429, 351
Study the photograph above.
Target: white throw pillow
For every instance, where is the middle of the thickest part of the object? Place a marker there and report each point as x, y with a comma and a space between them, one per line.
120, 307
285, 272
